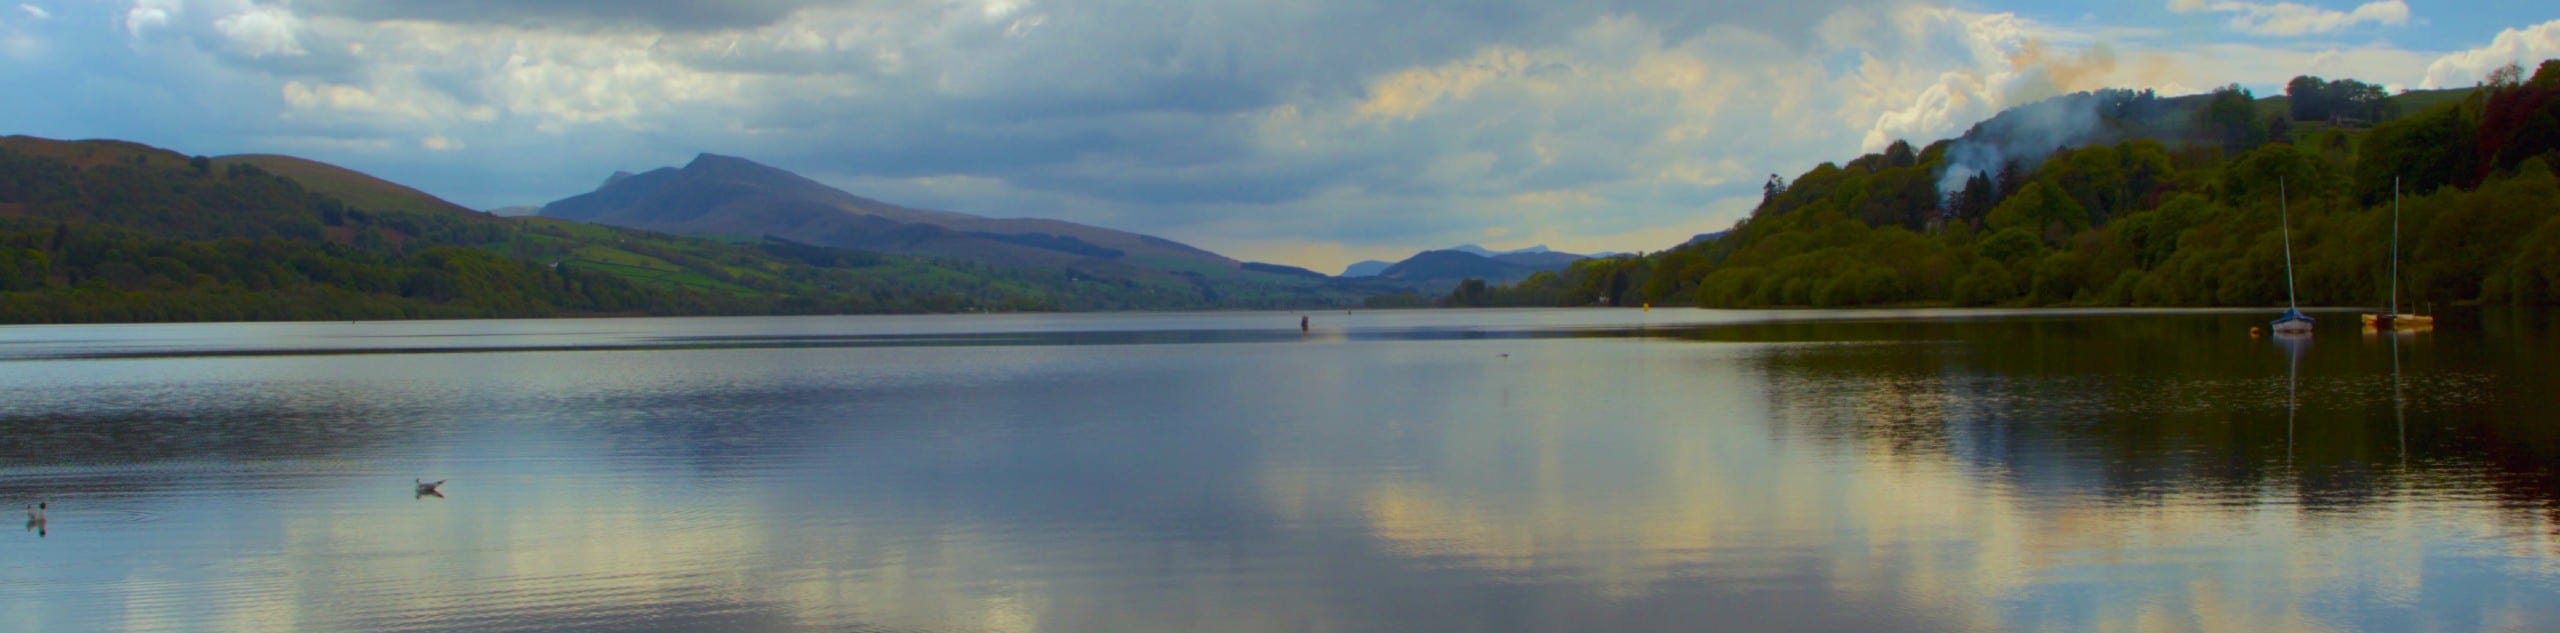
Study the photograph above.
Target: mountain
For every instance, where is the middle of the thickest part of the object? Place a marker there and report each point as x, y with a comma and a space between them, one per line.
1541, 259
115, 231
731, 196
516, 211
1480, 250
1284, 269
1437, 271
1366, 268
1538, 256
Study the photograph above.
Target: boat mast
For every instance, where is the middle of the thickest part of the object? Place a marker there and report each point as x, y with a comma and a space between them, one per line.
2395, 247
2285, 216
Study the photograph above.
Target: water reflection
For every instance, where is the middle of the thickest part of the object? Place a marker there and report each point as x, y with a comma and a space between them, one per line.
2023, 473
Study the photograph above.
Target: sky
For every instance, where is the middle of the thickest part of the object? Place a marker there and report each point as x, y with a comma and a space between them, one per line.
1305, 132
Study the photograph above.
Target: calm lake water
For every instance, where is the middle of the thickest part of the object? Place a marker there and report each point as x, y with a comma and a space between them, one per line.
1566, 470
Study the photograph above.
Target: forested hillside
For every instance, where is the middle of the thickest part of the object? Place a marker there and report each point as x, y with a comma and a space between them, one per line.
105, 231
2123, 199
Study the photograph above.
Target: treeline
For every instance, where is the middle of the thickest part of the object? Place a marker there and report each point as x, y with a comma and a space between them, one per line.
2191, 218
57, 272
111, 232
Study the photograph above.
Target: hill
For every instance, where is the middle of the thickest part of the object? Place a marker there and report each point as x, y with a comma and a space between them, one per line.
1437, 271
92, 153
1366, 268
2121, 198
1542, 259
354, 188
116, 231
725, 195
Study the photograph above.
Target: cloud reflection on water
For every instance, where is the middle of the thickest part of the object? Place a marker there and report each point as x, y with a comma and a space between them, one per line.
1759, 480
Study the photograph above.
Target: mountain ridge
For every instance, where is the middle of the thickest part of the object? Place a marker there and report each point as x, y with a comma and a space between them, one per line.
717, 194
118, 231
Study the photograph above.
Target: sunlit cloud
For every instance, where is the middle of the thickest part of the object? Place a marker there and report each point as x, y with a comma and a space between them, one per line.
2521, 46
2290, 19
1274, 128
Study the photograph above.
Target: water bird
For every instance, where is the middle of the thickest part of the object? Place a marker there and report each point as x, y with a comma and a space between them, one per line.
35, 513
1504, 354
430, 488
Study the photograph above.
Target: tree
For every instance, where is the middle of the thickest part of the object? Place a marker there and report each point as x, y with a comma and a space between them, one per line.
2508, 76
1975, 200
2426, 151
2232, 118
2041, 209
2311, 99
2306, 98
1899, 154
1769, 190
2359, 101
2013, 176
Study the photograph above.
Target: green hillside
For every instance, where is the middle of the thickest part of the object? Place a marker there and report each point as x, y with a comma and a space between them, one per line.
354, 188
2155, 202
110, 231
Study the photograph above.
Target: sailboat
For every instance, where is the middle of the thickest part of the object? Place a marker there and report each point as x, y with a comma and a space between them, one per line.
2293, 322
2394, 320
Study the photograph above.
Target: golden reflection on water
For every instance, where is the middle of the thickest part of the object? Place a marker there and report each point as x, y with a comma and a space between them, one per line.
1904, 525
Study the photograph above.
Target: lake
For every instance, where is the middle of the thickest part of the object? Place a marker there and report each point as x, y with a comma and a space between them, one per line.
1510, 470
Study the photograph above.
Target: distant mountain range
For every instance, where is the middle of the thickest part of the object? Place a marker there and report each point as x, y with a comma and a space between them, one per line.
1439, 270
1534, 258
905, 259
1366, 268
269, 237
729, 196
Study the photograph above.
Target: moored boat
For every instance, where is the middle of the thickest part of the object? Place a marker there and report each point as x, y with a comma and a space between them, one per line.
2392, 319
2292, 322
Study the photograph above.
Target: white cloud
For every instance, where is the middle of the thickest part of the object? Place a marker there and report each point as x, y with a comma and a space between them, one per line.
262, 30
148, 16
1620, 122
2524, 46
1235, 124
2290, 19
34, 11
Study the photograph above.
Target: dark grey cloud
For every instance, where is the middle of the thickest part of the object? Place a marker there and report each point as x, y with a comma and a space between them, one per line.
1156, 114
1102, 65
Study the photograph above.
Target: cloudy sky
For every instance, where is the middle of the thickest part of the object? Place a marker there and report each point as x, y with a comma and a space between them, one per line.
1310, 132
